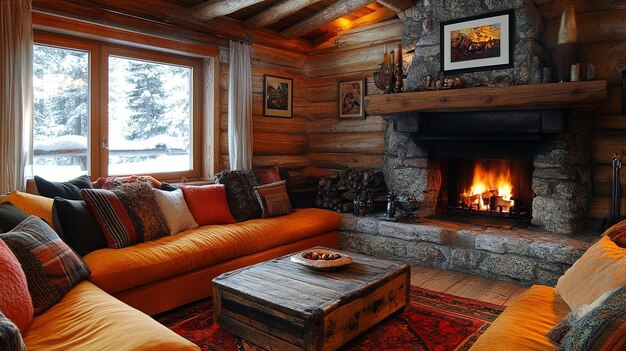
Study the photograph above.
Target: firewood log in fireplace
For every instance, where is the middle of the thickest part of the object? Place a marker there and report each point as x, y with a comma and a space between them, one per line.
337, 192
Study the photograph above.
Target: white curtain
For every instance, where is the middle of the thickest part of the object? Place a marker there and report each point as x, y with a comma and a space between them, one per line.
16, 93
240, 107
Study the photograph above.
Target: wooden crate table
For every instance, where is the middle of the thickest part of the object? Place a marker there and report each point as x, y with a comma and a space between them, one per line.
281, 305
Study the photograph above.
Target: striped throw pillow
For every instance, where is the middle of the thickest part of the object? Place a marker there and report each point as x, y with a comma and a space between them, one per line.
273, 199
51, 267
112, 217
10, 337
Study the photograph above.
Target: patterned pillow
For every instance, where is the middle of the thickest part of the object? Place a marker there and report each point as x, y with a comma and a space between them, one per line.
110, 183
67, 190
269, 175
139, 202
10, 337
112, 217
273, 199
175, 210
604, 328
51, 267
617, 233
240, 193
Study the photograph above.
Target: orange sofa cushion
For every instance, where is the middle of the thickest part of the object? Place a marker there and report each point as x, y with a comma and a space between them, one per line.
116, 270
88, 318
525, 323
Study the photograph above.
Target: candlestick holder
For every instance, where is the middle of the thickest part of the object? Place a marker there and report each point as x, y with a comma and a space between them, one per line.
397, 74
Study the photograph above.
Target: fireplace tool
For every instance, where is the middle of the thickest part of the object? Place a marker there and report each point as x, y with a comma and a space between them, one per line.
616, 189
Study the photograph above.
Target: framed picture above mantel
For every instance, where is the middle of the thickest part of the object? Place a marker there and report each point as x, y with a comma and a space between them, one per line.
477, 43
277, 96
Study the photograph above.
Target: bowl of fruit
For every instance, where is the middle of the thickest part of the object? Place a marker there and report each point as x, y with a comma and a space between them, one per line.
322, 259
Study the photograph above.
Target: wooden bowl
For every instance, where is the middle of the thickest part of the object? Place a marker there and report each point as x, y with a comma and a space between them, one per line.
321, 264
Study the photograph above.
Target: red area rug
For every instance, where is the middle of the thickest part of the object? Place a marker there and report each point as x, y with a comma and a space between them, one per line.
433, 322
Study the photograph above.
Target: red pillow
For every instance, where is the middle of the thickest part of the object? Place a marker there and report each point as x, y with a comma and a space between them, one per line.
15, 300
208, 204
269, 175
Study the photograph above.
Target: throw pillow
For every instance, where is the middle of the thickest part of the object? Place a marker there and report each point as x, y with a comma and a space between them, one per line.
208, 204
240, 193
603, 328
559, 331
34, 205
77, 226
617, 233
110, 183
139, 202
168, 187
10, 216
269, 175
601, 268
111, 216
15, 301
67, 190
51, 267
10, 337
273, 199
175, 210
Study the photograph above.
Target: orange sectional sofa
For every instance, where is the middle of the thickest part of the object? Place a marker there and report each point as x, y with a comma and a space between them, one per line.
105, 312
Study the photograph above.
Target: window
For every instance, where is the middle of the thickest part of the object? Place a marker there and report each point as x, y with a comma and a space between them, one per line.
103, 110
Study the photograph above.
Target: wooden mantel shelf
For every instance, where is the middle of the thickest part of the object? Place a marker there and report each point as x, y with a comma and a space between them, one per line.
515, 97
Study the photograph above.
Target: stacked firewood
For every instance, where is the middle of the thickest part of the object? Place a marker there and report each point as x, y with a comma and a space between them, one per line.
338, 191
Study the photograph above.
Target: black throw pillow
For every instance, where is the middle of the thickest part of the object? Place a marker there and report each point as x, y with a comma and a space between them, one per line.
10, 216
77, 227
168, 187
68, 190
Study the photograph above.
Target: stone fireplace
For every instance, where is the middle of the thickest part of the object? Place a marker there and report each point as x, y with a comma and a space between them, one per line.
549, 150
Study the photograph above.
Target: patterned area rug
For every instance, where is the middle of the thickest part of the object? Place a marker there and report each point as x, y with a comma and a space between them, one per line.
433, 322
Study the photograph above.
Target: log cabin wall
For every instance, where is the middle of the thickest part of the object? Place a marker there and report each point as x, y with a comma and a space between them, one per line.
277, 141
602, 41
339, 143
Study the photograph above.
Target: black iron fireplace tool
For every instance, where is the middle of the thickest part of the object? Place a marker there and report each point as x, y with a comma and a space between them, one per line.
616, 190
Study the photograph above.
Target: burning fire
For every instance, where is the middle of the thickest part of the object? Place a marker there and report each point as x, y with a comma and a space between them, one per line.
491, 189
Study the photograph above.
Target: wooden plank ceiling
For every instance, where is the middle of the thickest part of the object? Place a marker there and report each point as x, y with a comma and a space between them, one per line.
293, 22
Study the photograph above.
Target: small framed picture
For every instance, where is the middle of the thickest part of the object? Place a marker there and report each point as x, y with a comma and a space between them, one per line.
351, 93
277, 96
477, 43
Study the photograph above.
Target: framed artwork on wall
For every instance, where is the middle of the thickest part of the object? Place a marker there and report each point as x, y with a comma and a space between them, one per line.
351, 93
477, 43
277, 96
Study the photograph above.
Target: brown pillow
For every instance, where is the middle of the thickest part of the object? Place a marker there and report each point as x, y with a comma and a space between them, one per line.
617, 233
240, 193
273, 199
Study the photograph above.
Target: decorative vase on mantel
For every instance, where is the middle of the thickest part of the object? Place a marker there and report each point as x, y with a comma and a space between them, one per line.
567, 48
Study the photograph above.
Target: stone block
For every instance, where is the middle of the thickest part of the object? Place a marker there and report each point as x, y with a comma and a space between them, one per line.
464, 239
367, 225
517, 267
556, 252
348, 222
465, 259
553, 267
503, 244
547, 277
427, 253
429, 233
387, 248
397, 230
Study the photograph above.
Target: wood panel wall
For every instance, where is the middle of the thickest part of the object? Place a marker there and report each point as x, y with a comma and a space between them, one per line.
602, 41
339, 143
276, 141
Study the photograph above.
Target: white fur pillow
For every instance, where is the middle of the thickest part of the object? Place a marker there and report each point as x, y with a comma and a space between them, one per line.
175, 210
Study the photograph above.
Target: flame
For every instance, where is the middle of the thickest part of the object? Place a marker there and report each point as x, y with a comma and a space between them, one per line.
495, 181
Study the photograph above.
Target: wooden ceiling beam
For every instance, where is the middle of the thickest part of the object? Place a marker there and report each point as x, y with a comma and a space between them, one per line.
159, 17
277, 12
323, 17
208, 10
396, 5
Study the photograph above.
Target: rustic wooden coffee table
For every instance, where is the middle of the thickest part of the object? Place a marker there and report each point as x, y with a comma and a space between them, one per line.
281, 305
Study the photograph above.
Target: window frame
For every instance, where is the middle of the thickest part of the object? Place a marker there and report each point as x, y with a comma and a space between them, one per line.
99, 53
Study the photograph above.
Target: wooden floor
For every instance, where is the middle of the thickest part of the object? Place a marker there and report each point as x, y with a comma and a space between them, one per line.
465, 285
